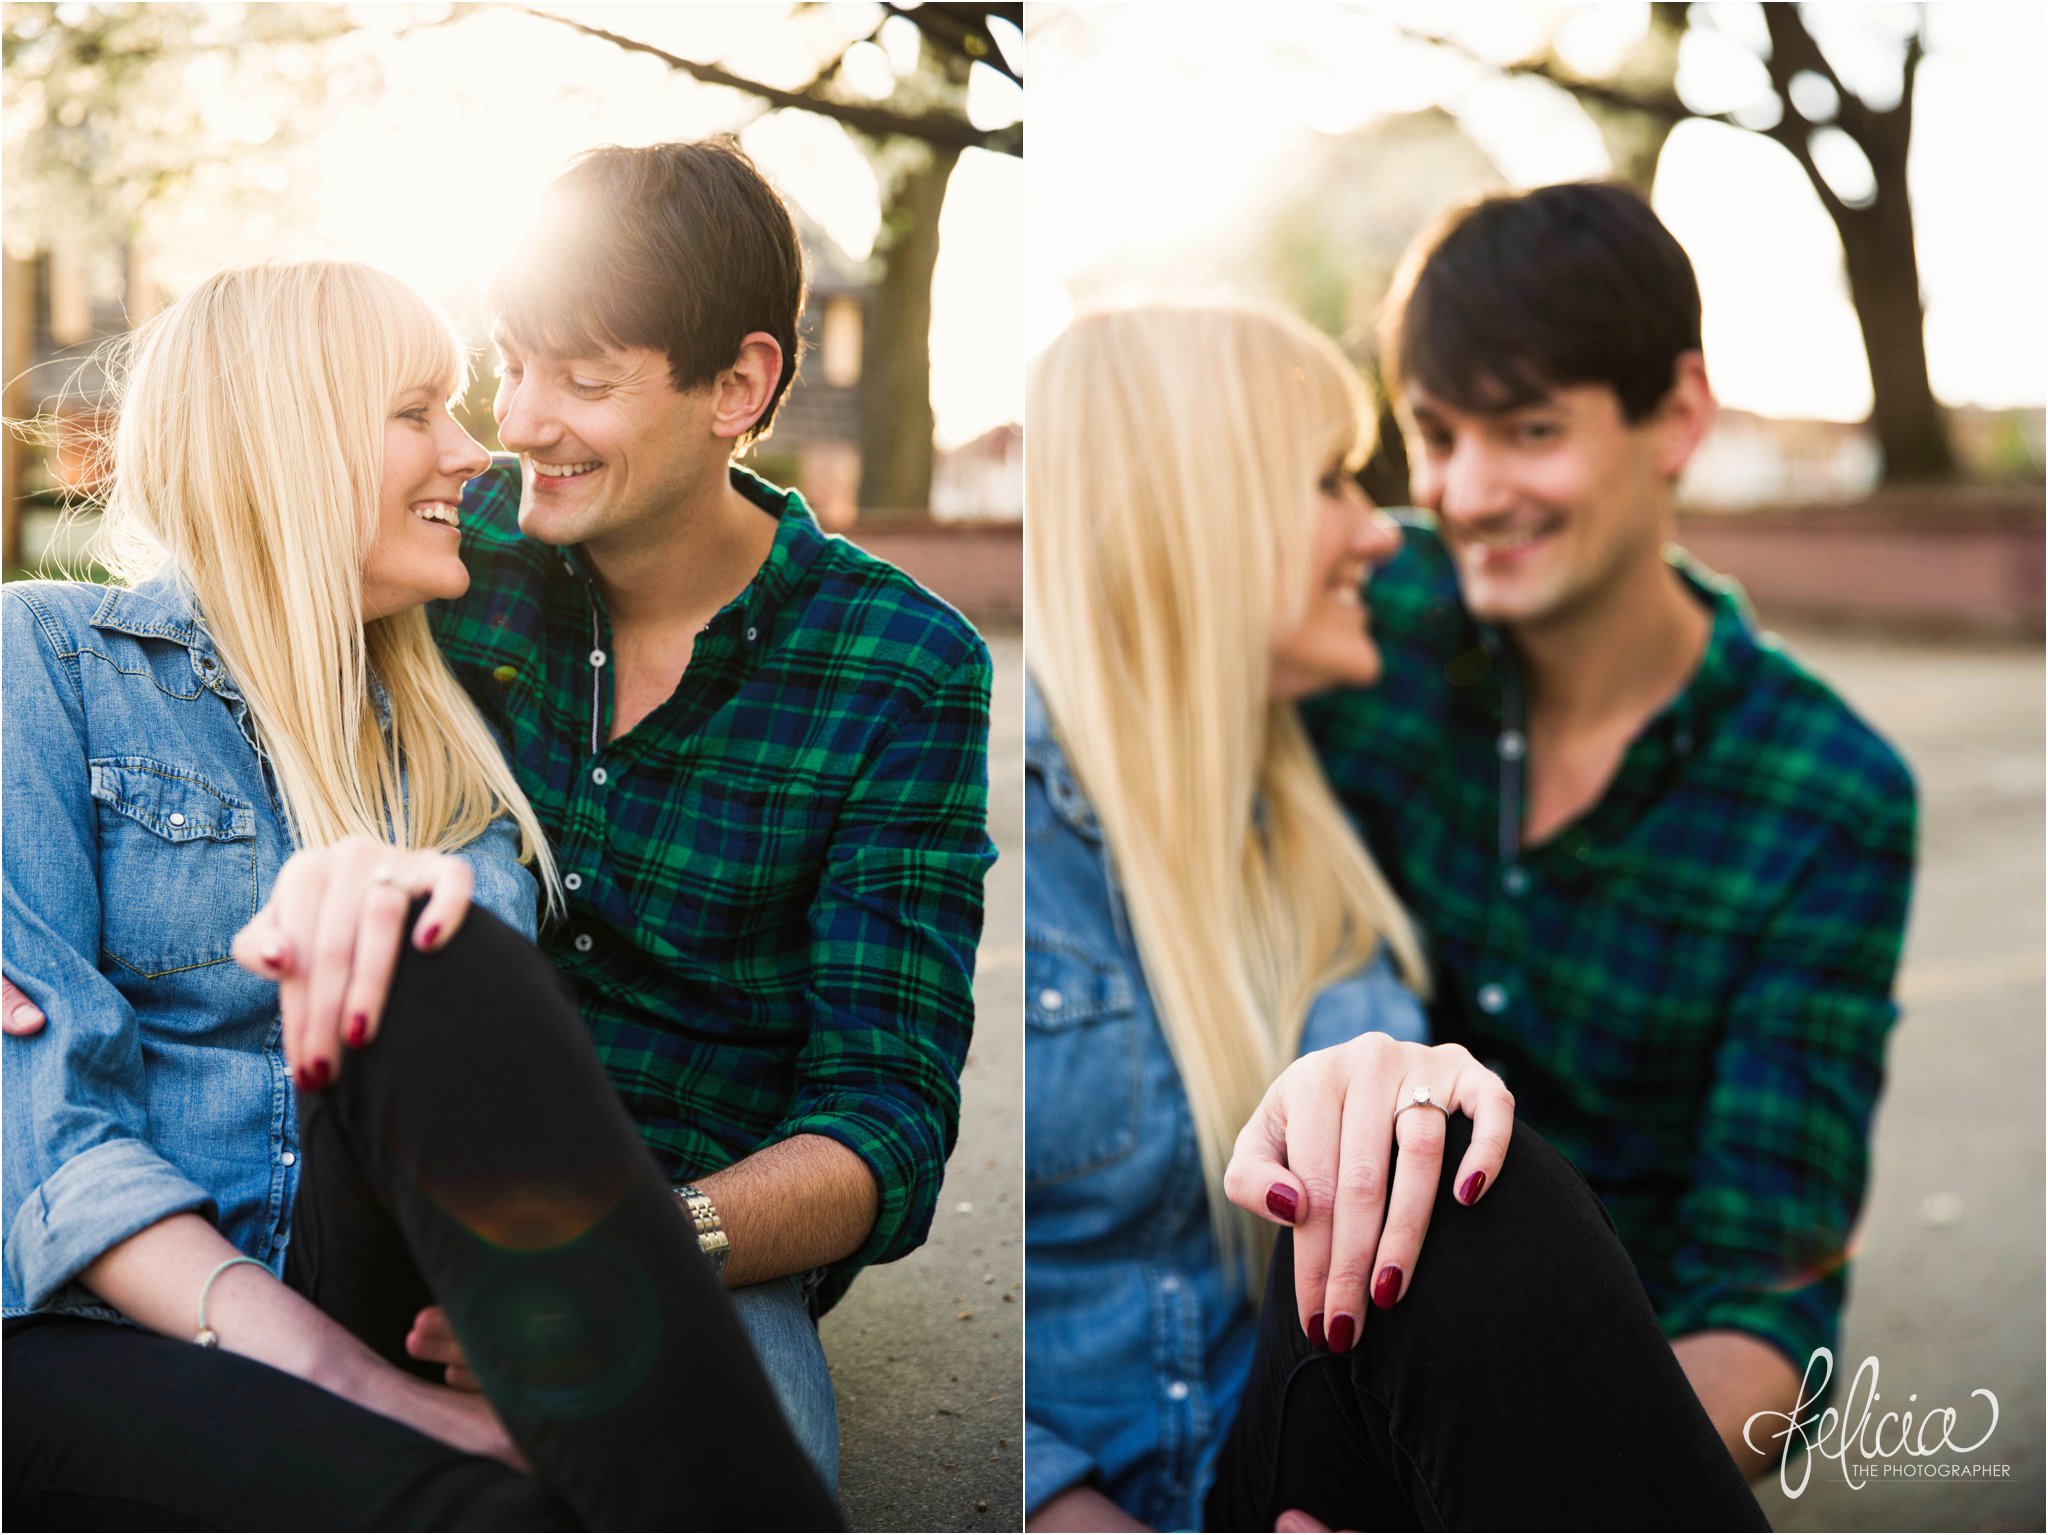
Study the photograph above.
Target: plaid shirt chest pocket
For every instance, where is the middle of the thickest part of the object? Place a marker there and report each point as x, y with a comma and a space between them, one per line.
752, 846
177, 865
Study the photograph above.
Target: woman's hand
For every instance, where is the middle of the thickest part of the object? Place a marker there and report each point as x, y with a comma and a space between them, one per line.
1317, 1154
463, 1419
330, 935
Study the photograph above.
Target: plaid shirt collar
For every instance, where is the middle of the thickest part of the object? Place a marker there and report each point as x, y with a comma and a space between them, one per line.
798, 542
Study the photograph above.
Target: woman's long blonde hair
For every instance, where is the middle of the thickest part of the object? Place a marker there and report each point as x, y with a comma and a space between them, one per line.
1172, 458
248, 457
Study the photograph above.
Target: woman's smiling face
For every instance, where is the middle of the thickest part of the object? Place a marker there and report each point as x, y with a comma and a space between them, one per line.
416, 556
1332, 645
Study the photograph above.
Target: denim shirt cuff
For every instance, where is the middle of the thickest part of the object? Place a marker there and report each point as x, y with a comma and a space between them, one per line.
1051, 1466
97, 1199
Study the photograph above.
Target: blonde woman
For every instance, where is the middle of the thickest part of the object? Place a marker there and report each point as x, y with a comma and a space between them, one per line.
1223, 1029
259, 676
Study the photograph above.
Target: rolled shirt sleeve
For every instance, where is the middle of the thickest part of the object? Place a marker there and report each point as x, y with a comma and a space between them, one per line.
1784, 1143
80, 1174
893, 934
1051, 1466
504, 886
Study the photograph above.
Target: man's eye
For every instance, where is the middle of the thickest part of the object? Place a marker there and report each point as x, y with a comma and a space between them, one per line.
509, 372
586, 386
1538, 431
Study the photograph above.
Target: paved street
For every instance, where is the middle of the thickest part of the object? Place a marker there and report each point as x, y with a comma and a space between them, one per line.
1947, 1292
927, 1354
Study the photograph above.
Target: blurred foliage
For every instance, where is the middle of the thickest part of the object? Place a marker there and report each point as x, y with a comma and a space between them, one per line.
114, 113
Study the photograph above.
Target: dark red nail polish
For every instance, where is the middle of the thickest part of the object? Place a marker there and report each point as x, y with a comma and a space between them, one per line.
323, 1073
1474, 1186
427, 938
1343, 1328
358, 1030
1280, 1200
1387, 1288
1315, 1329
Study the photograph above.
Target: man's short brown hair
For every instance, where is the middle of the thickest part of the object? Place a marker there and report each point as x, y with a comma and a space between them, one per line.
684, 248
1515, 295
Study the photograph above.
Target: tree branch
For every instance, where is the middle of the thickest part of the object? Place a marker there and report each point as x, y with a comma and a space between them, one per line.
1794, 51
931, 127
1662, 105
964, 29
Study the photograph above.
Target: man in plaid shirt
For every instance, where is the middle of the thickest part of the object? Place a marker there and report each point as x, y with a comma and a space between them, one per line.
760, 755
1664, 870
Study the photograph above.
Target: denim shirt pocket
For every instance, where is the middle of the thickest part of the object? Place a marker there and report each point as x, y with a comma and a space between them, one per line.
177, 865
1082, 1067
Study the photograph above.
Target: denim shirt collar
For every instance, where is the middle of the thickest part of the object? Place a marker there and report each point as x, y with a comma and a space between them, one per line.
163, 608
1044, 756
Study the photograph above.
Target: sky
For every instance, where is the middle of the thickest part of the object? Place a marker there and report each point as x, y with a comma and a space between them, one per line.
1156, 132
438, 173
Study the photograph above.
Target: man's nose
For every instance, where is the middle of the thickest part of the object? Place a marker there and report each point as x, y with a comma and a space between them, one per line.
524, 423
1472, 484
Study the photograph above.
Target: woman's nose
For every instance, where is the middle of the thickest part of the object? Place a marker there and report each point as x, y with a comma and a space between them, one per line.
1376, 535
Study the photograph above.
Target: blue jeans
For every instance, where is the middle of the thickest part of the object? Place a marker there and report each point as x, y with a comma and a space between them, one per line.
777, 1319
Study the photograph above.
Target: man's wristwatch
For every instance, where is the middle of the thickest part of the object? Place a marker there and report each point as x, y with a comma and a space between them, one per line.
712, 1241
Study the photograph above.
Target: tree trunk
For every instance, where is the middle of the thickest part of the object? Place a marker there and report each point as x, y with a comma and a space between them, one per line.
1884, 286
896, 354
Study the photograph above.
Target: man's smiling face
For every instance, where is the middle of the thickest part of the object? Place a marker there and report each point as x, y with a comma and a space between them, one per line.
1544, 506
610, 448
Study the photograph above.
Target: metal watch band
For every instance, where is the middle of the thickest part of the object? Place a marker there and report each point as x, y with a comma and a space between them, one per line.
712, 1241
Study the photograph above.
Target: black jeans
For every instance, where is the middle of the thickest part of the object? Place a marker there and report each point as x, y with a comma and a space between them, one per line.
1522, 1383
477, 1155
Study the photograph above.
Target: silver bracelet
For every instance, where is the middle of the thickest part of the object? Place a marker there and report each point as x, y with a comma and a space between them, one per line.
206, 1337
712, 1241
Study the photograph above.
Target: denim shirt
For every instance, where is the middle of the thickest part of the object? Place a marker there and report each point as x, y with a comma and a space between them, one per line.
143, 831
1138, 1337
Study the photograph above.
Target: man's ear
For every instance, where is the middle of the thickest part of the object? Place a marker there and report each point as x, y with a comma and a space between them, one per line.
742, 391
1686, 416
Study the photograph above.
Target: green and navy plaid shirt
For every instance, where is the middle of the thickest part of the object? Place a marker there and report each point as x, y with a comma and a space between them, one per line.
774, 879
1688, 989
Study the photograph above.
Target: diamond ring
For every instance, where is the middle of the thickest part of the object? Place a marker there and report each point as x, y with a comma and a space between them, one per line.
1422, 1098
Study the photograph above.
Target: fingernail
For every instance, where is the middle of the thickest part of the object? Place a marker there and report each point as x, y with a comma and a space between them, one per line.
321, 1074
1387, 1288
358, 1028
1315, 1330
25, 1015
1343, 1328
1474, 1185
1280, 1200
427, 938
271, 952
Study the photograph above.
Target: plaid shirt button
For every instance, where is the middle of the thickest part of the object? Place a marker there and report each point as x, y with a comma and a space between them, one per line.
583, 943
1493, 998
572, 882
1514, 879
598, 776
